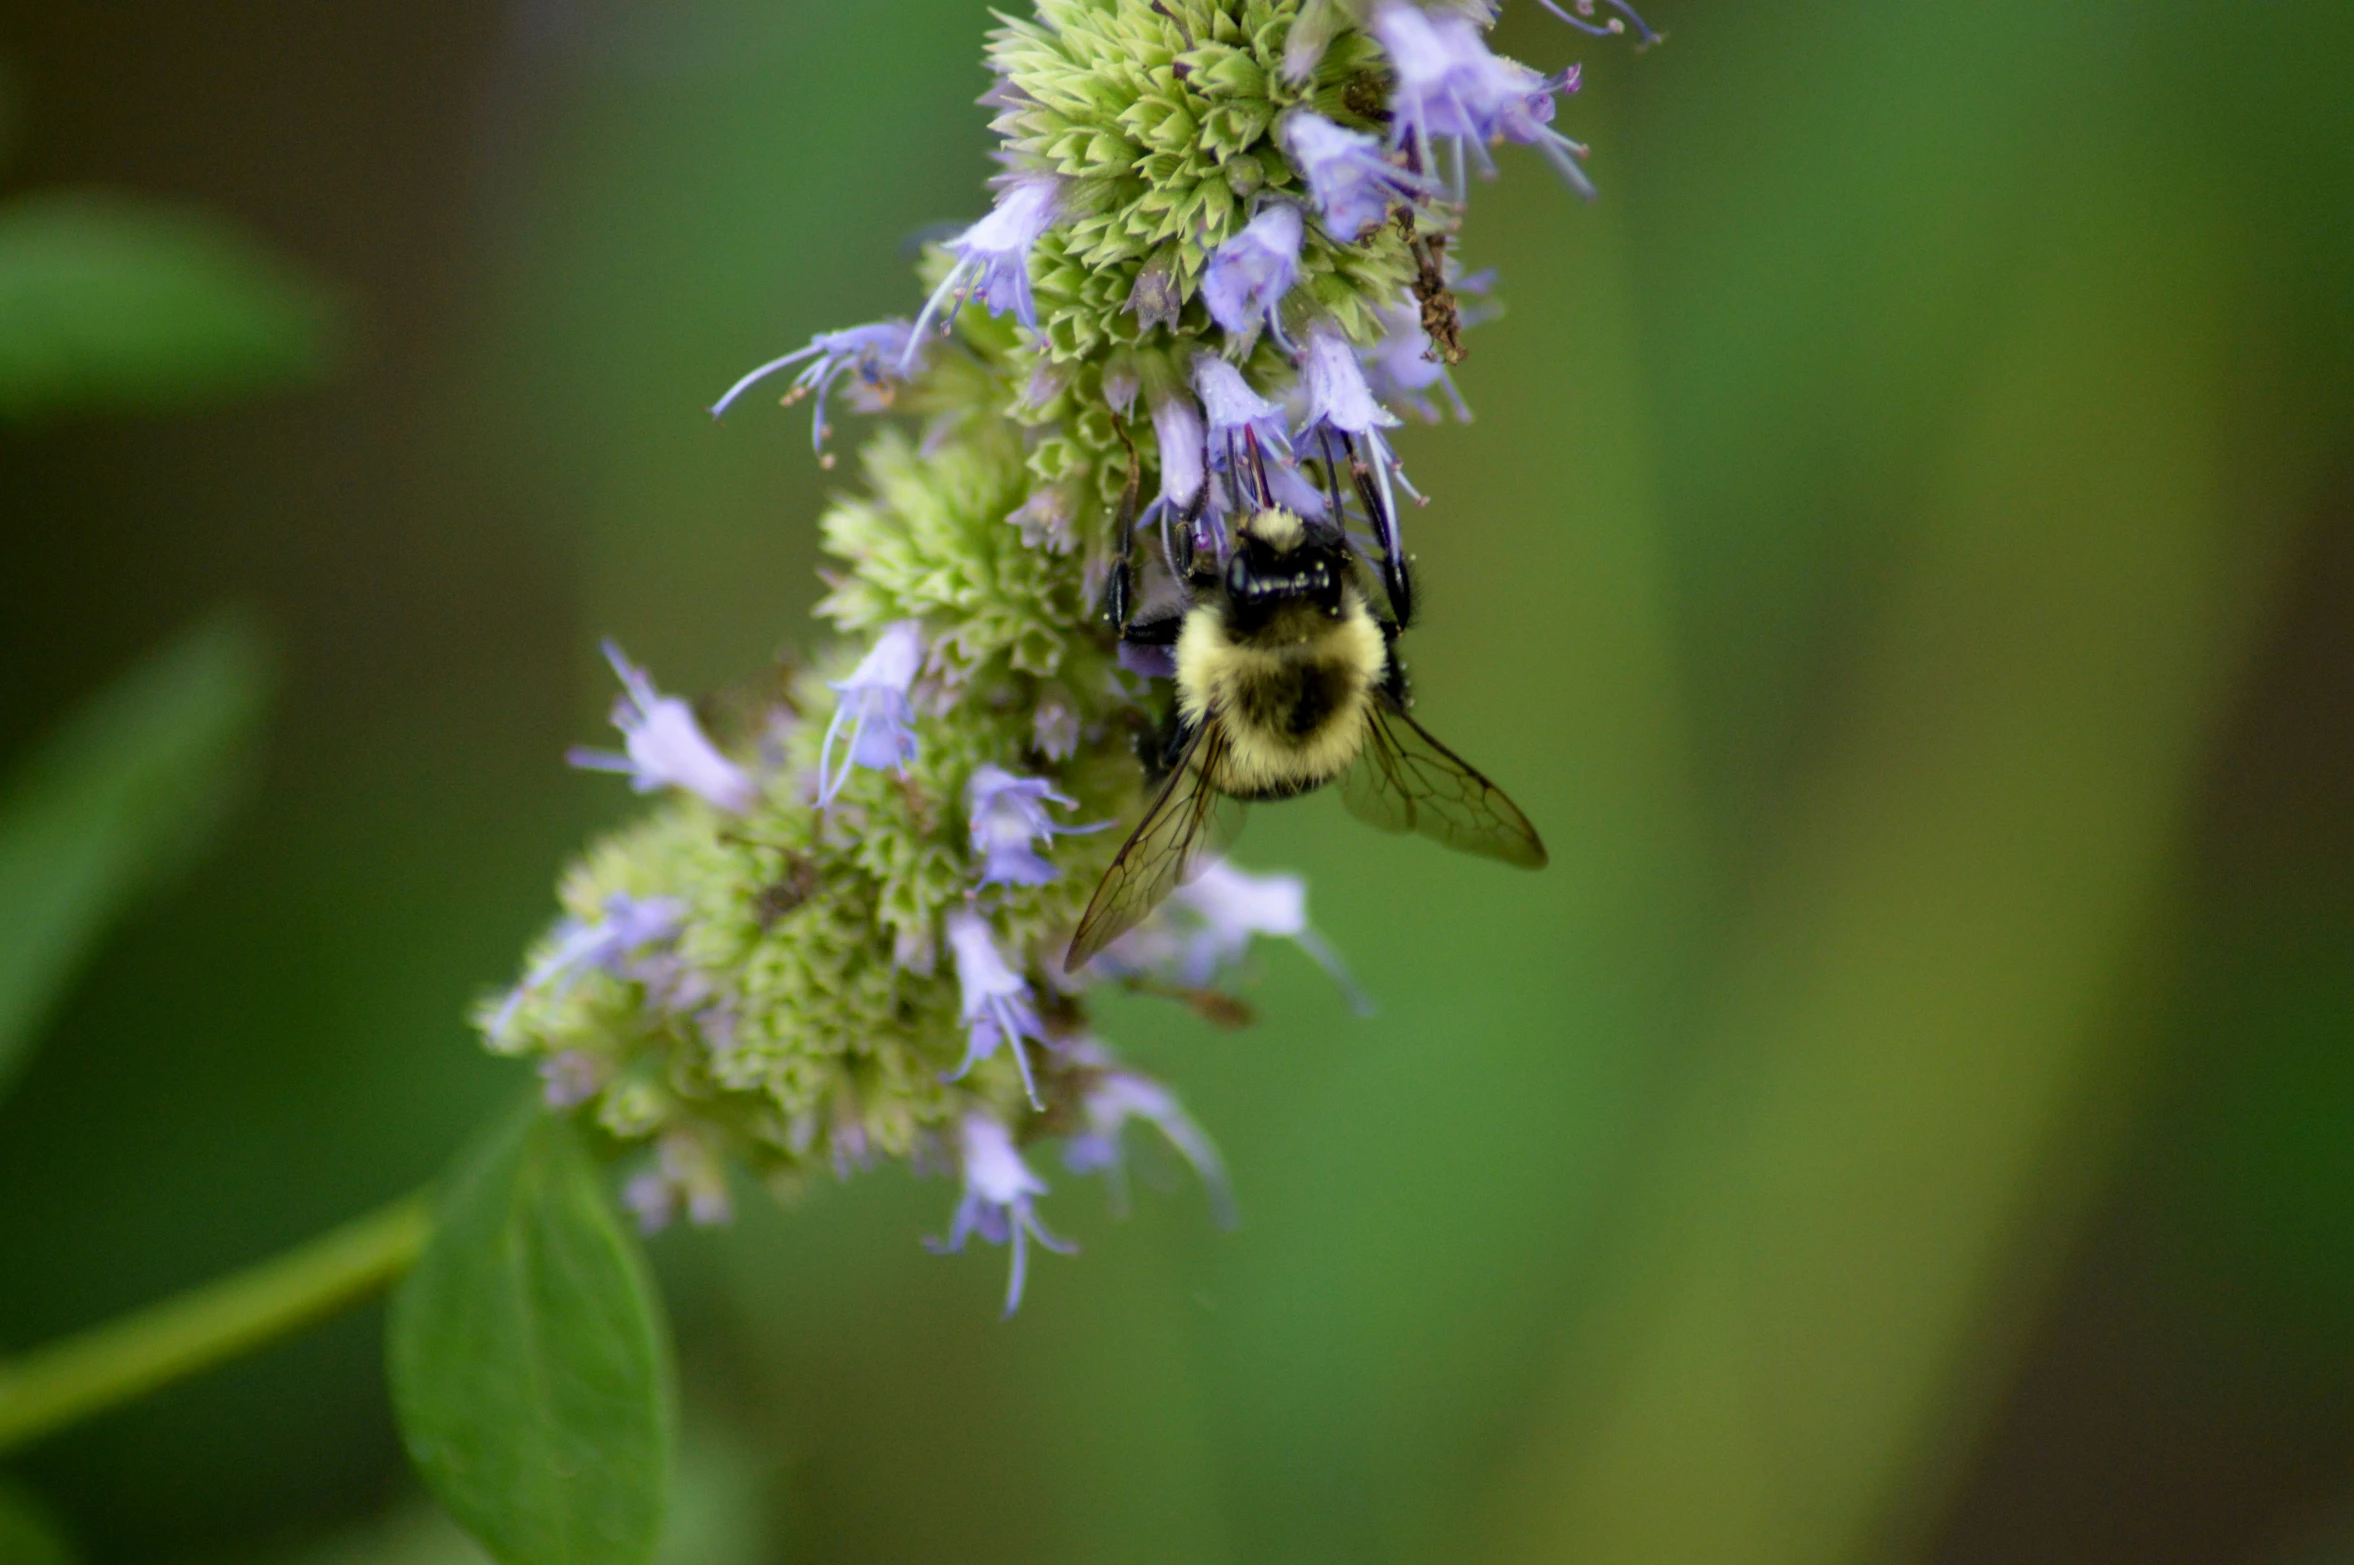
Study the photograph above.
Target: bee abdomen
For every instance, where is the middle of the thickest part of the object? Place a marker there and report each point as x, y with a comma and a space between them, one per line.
1297, 703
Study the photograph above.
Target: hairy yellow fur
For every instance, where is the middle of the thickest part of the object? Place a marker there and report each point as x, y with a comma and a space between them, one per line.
1230, 680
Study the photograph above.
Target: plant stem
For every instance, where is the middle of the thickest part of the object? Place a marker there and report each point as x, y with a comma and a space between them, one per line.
88, 1373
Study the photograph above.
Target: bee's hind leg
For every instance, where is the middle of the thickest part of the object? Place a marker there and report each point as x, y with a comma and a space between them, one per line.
1162, 751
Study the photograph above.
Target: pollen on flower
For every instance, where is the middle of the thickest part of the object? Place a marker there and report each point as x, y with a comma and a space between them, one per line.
836, 934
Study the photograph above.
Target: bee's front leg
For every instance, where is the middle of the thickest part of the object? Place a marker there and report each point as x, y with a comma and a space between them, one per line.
1119, 589
1393, 673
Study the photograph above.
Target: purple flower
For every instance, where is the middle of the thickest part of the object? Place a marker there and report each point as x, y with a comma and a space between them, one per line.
1452, 88
878, 356
1206, 927
1118, 1096
999, 1191
1349, 175
685, 1174
1294, 493
1045, 520
1338, 399
666, 745
1177, 424
996, 1005
570, 1078
611, 944
1054, 730
1251, 272
1402, 367
874, 703
993, 258
1235, 410
1007, 814
1340, 408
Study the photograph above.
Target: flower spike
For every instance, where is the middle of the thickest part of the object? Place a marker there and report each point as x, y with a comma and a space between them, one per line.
1220, 262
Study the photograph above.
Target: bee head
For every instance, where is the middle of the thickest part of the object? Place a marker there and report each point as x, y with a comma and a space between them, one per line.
1279, 559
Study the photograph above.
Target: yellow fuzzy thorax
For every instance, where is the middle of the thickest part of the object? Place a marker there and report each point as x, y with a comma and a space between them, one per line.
1215, 671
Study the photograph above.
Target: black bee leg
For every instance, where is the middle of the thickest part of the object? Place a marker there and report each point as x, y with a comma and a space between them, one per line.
1393, 674
1162, 632
1174, 740
1187, 559
1119, 589
1395, 576
1332, 485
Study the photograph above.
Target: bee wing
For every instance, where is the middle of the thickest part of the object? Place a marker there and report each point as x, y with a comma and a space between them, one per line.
1404, 780
1188, 823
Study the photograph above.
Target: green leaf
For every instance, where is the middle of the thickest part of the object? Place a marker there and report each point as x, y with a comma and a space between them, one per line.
110, 304
530, 1367
28, 1536
124, 794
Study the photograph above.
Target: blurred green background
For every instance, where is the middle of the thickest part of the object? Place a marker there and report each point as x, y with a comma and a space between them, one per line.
1904, 562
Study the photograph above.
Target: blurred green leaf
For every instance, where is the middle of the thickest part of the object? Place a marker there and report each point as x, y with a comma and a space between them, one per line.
530, 1370
27, 1534
109, 806
719, 1515
111, 303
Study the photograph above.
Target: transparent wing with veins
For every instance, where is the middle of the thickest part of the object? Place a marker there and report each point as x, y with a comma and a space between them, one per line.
1188, 823
1404, 780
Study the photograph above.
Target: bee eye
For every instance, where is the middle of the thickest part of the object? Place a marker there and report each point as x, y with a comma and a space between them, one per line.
1238, 578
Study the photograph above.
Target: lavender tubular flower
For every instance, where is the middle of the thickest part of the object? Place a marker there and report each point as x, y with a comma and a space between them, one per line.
997, 1008
999, 1202
1452, 88
877, 357
630, 925
1351, 179
666, 746
1341, 411
874, 703
685, 1175
1007, 814
1339, 402
1118, 1096
1250, 273
993, 259
1177, 425
1206, 927
1403, 367
1234, 412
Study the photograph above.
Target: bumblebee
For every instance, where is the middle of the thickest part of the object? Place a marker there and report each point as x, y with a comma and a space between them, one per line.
1286, 680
